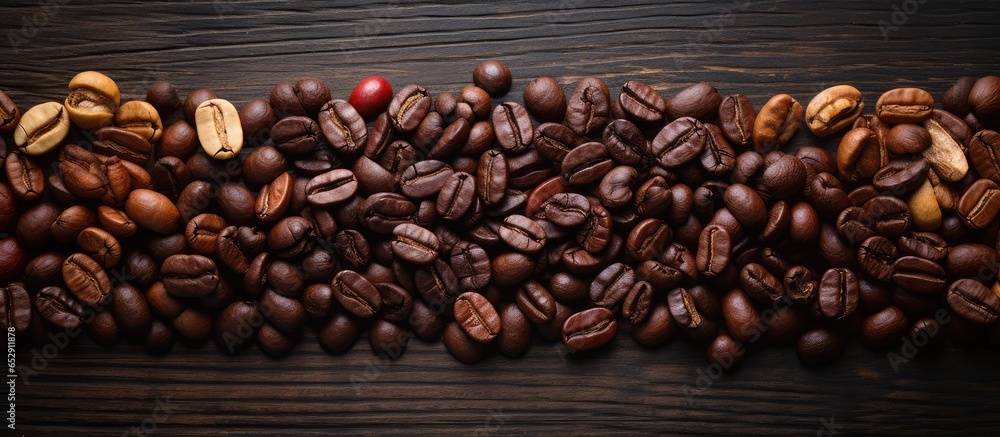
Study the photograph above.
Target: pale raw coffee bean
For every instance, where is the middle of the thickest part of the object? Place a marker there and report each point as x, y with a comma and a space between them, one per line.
219, 128
945, 155
42, 128
834, 109
924, 208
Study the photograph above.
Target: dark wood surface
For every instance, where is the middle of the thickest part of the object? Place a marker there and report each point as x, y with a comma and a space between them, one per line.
242, 48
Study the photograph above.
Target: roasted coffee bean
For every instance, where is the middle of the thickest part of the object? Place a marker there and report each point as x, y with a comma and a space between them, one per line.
296, 135
714, 250
736, 118
513, 127
409, 107
356, 294
973, 301
189, 275
343, 127
100, 245
86, 279
700, 101
860, 155
644, 104
387, 339
589, 329
153, 211
477, 316
919, 275
980, 204
588, 107
801, 284
332, 187
972, 260
904, 105
776, 122
304, 97
424, 178
59, 308
566, 209
638, 302
820, 346
457, 197
462, 346
491, 177
901, 176
544, 98
290, 237
838, 294
415, 244
612, 284
679, 142
15, 305
25, 176
877, 256
760, 284
586, 163
510, 268
10, 114
890, 216
689, 314
522, 234
647, 239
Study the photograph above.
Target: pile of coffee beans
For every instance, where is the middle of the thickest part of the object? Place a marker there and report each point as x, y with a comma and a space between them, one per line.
490, 223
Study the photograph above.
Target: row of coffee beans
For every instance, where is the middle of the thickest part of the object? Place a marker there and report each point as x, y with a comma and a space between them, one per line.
490, 224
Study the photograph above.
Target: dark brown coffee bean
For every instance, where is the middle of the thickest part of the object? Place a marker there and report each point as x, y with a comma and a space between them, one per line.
510, 268
331, 188
973, 301
919, 275
100, 245
589, 329
554, 140
642, 103
356, 294
59, 308
588, 107
457, 197
491, 177
679, 142
689, 314
638, 302
612, 284
415, 244
838, 294
972, 260
274, 199
424, 178
343, 127
700, 101
890, 216
877, 256
25, 176
566, 209
290, 237
15, 308
522, 234
122, 143
647, 239
461, 346
512, 126
296, 135
736, 118
901, 176
586, 163
820, 346
760, 284
409, 107
189, 275
714, 248
477, 317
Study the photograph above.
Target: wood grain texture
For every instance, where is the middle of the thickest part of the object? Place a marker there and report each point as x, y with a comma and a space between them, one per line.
240, 49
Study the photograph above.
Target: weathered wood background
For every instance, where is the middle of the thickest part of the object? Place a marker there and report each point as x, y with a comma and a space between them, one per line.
242, 48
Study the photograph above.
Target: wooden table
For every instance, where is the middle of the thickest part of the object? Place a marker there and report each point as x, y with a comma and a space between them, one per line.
241, 49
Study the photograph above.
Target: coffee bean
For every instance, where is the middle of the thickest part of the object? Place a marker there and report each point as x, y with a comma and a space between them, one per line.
919, 275
904, 105
15, 308
820, 346
679, 142
356, 294
477, 317
59, 308
304, 97
838, 294
290, 237
544, 98
907, 138
513, 127
457, 197
189, 275
689, 314
980, 204
343, 127
973, 301
10, 114
25, 176
86, 279
415, 244
522, 234
776, 122
409, 107
589, 329
834, 109
152, 211
492, 76
901, 176
588, 107
219, 129
945, 154
643, 103
983, 100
